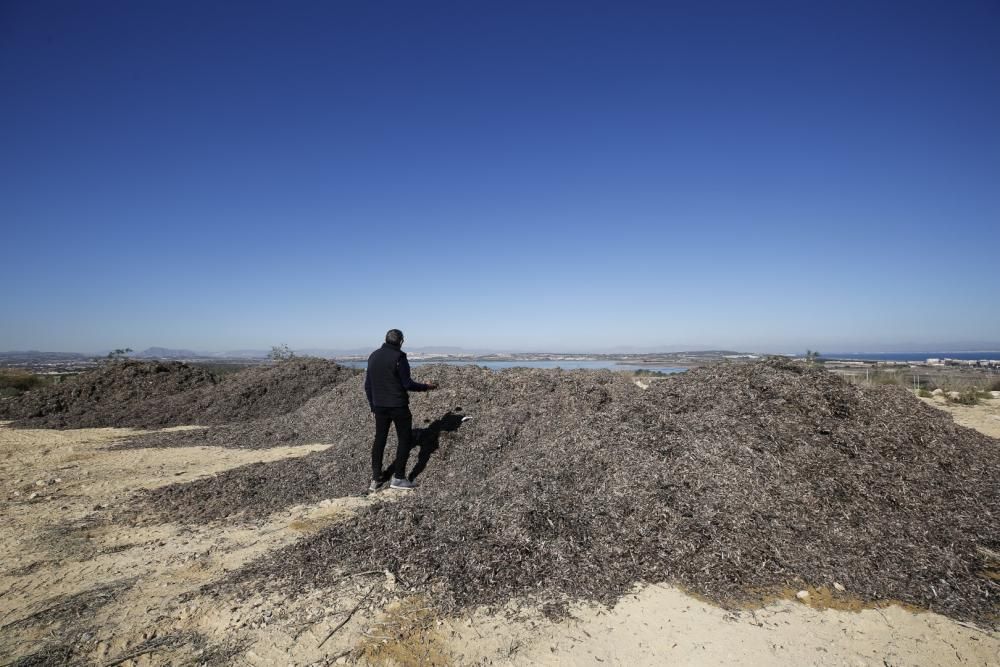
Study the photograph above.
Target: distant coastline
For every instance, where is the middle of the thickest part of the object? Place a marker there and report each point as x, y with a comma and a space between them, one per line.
918, 357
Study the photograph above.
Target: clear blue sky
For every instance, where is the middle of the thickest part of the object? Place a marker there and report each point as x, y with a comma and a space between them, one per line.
567, 176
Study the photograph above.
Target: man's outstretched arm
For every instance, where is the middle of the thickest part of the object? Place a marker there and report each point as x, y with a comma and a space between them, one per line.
409, 384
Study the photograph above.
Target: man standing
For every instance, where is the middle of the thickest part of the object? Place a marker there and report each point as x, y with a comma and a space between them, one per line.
386, 385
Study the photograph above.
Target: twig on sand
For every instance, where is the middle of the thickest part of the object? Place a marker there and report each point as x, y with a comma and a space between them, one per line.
970, 626
349, 615
361, 574
884, 617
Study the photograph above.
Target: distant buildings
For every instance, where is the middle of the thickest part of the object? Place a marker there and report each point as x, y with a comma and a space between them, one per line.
975, 363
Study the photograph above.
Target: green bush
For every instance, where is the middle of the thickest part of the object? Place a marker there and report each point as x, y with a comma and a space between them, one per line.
924, 393
19, 381
967, 397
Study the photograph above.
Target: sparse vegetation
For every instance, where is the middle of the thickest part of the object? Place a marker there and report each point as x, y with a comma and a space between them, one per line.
405, 635
885, 377
647, 372
19, 380
924, 393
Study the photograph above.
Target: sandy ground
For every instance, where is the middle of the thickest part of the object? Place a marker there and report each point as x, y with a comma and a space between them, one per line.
984, 417
76, 591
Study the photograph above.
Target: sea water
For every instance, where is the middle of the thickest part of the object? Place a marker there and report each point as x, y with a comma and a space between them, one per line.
565, 365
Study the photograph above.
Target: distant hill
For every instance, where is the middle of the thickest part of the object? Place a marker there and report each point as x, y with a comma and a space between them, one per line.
243, 354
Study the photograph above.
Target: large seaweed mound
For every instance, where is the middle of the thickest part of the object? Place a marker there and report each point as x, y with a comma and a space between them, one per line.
729, 480
157, 394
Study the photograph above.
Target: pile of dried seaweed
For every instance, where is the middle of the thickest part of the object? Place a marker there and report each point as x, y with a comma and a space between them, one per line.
259, 392
106, 396
729, 480
151, 394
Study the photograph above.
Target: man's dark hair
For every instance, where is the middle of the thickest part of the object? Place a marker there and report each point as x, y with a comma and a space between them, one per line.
394, 337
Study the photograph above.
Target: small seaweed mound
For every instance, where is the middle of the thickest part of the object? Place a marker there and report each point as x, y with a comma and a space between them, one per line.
259, 392
147, 394
114, 394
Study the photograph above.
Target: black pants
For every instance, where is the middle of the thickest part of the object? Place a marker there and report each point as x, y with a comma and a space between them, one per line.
404, 421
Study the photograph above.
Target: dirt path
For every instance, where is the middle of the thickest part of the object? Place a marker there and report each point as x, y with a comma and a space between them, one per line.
66, 581
76, 591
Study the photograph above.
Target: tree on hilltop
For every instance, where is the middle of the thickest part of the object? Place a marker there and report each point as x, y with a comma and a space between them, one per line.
280, 353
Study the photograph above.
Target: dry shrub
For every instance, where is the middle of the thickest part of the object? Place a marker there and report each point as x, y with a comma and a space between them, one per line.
18, 381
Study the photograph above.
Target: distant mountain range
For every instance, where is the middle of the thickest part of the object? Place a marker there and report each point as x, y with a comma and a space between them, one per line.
166, 353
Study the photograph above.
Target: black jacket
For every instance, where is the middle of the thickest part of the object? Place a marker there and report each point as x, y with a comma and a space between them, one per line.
388, 378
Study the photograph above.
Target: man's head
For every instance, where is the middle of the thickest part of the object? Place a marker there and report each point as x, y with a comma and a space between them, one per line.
394, 337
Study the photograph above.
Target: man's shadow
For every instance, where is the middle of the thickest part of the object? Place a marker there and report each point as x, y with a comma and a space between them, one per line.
428, 438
